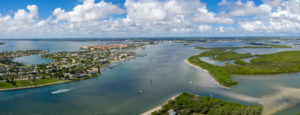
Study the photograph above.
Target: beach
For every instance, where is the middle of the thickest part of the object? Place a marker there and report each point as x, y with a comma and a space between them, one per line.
159, 107
217, 84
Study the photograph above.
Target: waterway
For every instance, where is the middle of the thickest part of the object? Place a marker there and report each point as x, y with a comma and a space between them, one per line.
140, 84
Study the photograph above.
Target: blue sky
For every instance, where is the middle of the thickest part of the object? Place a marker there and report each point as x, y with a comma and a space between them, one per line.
127, 18
47, 6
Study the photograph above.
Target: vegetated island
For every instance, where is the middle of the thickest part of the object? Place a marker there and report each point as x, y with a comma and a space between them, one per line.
235, 48
187, 44
270, 45
188, 104
191, 41
2, 43
281, 62
67, 66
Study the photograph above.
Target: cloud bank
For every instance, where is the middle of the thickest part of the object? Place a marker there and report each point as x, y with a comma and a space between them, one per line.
140, 18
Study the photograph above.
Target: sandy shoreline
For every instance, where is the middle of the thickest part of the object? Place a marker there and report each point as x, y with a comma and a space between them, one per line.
159, 107
210, 77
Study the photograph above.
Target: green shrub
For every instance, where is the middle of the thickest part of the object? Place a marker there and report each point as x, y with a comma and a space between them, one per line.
187, 104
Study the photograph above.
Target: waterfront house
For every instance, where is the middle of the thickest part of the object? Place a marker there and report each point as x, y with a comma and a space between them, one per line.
104, 60
71, 76
93, 70
83, 75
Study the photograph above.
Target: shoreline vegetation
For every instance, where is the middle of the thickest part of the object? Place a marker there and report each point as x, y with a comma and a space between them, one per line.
251, 45
270, 45
38, 83
159, 107
2, 43
220, 74
186, 104
235, 48
210, 76
10, 87
67, 66
280, 62
230, 48
187, 44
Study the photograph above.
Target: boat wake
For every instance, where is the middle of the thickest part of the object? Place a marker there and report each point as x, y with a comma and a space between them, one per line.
60, 91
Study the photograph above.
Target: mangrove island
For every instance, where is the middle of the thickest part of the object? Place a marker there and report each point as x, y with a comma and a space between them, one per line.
189, 104
280, 62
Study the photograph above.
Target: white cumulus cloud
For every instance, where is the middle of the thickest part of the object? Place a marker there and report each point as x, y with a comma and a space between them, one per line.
252, 25
285, 17
247, 8
155, 18
88, 11
96, 19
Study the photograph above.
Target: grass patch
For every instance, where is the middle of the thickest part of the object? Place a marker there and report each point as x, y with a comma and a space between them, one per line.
28, 83
188, 104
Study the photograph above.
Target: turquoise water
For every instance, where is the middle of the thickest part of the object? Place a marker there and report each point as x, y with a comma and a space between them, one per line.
117, 91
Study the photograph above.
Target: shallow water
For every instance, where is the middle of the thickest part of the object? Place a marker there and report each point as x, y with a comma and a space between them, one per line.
32, 59
117, 91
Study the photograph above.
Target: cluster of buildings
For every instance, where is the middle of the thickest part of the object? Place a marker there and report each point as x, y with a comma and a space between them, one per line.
82, 64
106, 46
9, 68
75, 65
65, 65
114, 46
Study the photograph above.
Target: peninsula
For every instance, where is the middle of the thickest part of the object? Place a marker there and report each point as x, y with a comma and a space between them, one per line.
67, 66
